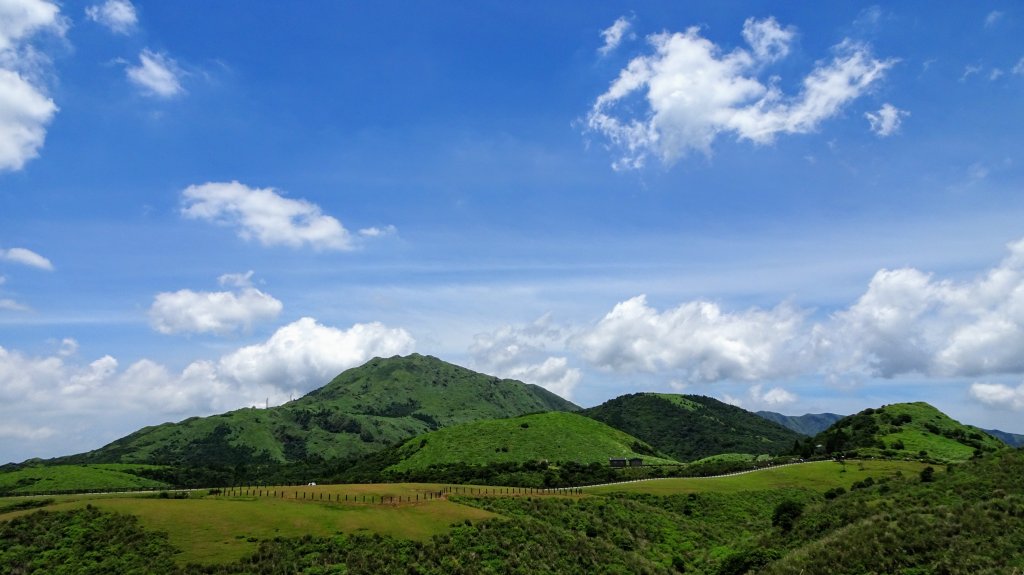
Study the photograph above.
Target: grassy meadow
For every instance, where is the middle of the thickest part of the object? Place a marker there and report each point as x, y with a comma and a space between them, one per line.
218, 528
76, 477
817, 476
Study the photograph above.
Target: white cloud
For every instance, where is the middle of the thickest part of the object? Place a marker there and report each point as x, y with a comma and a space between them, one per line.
117, 15
993, 18
1019, 67
759, 398
970, 71
999, 395
908, 322
157, 75
26, 257
523, 353
11, 305
688, 92
12, 430
224, 312
25, 109
298, 358
21, 19
886, 121
698, 341
376, 232
614, 34
305, 353
769, 41
264, 215
68, 346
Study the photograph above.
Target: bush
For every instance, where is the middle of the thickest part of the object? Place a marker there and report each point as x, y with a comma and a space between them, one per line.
927, 474
786, 514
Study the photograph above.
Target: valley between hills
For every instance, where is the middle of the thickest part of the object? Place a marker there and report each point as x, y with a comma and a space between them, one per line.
415, 465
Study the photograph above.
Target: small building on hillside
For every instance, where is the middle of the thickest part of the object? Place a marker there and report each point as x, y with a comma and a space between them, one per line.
636, 462
617, 461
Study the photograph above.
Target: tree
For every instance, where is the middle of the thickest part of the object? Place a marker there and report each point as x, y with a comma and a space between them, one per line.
786, 514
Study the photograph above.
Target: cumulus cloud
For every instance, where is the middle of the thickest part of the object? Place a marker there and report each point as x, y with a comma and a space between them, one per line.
117, 15
156, 75
264, 215
25, 109
886, 121
1018, 69
306, 353
768, 40
26, 257
697, 340
223, 312
689, 91
524, 353
909, 322
614, 34
68, 346
999, 395
296, 359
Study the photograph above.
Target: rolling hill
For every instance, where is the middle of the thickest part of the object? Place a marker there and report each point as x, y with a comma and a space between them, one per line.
552, 436
360, 411
807, 424
691, 427
905, 430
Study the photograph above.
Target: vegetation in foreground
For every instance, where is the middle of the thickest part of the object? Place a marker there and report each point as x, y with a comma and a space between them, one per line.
966, 518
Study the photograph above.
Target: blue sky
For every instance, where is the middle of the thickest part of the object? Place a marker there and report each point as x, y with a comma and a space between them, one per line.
788, 208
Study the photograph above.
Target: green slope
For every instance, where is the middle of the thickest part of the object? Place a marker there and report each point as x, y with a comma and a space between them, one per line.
807, 424
691, 427
553, 436
361, 411
905, 430
74, 477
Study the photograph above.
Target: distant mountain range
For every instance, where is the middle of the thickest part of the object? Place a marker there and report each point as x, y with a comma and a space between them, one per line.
807, 424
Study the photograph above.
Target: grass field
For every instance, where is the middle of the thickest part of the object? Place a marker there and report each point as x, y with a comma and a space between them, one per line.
818, 476
227, 527
71, 477
222, 529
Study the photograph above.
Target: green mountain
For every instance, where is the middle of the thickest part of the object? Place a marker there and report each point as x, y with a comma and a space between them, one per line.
552, 436
1011, 439
904, 430
691, 427
360, 411
807, 424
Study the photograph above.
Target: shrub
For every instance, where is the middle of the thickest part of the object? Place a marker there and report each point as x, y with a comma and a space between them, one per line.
786, 514
927, 474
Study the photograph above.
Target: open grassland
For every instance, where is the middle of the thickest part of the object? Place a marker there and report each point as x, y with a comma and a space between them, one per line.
75, 477
222, 528
817, 476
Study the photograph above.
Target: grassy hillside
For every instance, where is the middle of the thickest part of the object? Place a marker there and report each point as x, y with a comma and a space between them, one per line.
905, 430
553, 436
74, 477
361, 411
807, 424
691, 427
